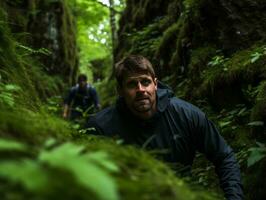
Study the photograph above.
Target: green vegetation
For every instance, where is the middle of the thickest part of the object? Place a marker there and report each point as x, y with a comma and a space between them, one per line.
45, 157
243, 65
209, 59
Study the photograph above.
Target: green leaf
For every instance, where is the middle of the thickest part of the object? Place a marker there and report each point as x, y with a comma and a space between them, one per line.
50, 142
26, 172
256, 123
223, 124
255, 56
11, 87
241, 111
90, 170
11, 145
261, 145
7, 98
102, 159
256, 155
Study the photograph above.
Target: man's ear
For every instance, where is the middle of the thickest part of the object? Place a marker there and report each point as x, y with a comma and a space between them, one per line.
156, 82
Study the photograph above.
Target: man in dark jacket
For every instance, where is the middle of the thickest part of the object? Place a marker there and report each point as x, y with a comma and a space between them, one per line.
82, 98
147, 114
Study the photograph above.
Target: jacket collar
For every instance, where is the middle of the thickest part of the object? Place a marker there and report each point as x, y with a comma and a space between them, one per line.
164, 93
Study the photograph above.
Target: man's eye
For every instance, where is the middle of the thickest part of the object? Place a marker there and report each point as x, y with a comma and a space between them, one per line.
146, 82
131, 84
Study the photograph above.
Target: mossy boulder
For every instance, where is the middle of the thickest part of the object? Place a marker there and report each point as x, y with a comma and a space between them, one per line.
227, 77
49, 25
56, 157
226, 26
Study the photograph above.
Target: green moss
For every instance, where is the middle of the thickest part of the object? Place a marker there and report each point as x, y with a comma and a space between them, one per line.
173, 10
239, 67
68, 35
146, 40
199, 59
30, 126
7, 48
182, 39
259, 113
19, 66
107, 91
166, 42
138, 168
192, 6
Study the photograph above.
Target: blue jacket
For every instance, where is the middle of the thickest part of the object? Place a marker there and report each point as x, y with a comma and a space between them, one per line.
179, 127
82, 98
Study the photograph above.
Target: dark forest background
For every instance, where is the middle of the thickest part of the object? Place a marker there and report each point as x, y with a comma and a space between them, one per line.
212, 53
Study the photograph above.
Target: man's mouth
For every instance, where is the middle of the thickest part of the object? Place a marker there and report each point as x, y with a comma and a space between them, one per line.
142, 101
141, 98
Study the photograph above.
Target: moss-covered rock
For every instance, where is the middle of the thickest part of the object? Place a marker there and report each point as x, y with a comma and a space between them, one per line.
19, 68
44, 149
50, 25
221, 24
258, 114
227, 77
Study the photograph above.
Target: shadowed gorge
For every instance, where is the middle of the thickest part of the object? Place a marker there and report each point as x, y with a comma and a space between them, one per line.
211, 53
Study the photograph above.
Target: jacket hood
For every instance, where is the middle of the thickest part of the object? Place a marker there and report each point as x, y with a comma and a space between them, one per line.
164, 93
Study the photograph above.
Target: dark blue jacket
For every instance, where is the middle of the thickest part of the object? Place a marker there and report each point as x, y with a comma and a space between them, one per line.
179, 127
82, 98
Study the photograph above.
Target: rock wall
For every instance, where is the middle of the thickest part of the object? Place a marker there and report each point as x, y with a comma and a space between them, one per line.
212, 53
49, 25
176, 28
202, 48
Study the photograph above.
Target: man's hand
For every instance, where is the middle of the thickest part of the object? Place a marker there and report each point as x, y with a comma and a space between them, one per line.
65, 111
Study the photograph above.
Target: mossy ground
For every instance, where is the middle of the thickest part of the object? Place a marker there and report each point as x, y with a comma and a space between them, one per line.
45, 157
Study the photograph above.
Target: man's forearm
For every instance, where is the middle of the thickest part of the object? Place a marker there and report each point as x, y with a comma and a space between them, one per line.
230, 178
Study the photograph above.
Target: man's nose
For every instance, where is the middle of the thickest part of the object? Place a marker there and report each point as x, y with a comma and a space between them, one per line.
140, 87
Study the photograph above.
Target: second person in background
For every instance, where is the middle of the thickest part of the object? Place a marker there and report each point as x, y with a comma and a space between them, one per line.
81, 100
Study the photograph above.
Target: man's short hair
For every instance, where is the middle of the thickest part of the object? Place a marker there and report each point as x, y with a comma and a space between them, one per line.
133, 64
82, 77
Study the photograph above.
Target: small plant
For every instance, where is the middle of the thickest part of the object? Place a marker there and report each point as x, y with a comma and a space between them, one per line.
250, 92
29, 50
256, 154
81, 169
258, 54
7, 93
218, 60
230, 120
53, 105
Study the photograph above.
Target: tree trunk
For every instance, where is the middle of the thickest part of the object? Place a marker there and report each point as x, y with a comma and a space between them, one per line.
113, 29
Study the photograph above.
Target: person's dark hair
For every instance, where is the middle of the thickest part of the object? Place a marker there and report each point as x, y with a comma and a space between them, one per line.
133, 64
82, 77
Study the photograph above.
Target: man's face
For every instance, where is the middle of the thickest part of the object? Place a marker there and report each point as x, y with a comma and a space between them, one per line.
82, 84
139, 92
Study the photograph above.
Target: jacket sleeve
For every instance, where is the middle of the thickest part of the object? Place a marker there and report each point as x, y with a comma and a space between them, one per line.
92, 127
95, 98
69, 97
213, 145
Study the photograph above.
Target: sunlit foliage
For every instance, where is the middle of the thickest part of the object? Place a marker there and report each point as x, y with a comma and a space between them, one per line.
93, 27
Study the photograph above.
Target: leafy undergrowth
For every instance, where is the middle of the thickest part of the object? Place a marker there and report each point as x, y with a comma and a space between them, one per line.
42, 157
235, 124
